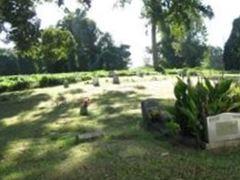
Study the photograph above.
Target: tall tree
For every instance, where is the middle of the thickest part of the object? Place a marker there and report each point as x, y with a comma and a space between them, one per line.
187, 50
18, 20
231, 55
58, 49
216, 57
178, 12
111, 57
86, 34
8, 62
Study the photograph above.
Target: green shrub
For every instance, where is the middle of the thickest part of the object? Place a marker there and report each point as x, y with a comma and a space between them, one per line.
19, 84
195, 102
47, 81
161, 69
86, 77
13, 83
3, 87
70, 79
172, 127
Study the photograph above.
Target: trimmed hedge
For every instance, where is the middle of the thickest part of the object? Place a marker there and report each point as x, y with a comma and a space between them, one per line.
22, 82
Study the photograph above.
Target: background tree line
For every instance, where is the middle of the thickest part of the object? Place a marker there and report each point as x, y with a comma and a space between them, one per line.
75, 44
178, 23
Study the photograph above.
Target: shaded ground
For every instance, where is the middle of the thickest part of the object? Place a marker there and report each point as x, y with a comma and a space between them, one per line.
37, 136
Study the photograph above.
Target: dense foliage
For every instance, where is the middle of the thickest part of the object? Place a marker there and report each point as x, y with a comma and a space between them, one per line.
195, 102
21, 82
58, 48
95, 49
187, 51
231, 56
173, 19
76, 44
8, 63
214, 58
19, 21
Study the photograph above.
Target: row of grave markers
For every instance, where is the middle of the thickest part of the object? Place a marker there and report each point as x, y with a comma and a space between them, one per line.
96, 83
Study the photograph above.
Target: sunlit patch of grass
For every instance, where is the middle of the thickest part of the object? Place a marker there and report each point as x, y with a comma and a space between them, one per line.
37, 138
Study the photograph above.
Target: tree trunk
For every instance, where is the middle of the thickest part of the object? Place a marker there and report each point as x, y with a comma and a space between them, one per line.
154, 44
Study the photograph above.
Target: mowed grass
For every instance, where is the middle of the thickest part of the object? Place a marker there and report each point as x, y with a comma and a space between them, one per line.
37, 136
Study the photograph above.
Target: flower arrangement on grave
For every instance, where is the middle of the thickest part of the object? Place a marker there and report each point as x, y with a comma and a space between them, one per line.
84, 106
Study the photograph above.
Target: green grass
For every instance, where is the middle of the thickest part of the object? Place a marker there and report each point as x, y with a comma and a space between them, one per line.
37, 139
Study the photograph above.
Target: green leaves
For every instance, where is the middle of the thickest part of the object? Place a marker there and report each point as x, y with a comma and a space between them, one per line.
180, 88
57, 45
232, 49
195, 102
223, 86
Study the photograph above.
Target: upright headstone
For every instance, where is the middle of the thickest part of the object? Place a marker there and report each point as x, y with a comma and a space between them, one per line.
223, 130
65, 84
141, 74
96, 82
116, 79
151, 112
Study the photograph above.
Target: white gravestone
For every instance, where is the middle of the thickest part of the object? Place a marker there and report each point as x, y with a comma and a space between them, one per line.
223, 130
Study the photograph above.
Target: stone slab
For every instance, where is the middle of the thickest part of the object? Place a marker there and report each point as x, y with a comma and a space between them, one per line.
223, 129
223, 144
89, 136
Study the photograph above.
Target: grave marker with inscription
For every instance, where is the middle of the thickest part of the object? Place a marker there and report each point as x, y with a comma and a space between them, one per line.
223, 130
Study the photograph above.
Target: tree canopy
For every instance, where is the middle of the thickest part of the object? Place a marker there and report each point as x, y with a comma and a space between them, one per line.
173, 19
19, 21
179, 22
231, 56
75, 44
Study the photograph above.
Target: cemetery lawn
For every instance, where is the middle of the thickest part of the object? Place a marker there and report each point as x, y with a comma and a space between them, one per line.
37, 137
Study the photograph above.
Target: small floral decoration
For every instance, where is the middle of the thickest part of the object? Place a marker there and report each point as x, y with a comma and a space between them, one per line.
85, 102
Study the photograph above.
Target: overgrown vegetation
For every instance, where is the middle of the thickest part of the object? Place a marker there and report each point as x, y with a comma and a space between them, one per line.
195, 102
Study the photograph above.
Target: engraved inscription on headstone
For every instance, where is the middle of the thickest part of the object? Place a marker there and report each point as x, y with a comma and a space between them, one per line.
223, 127
226, 128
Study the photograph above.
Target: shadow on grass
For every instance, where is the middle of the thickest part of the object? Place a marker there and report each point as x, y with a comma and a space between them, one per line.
14, 96
75, 91
46, 148
114, 102
20, 103
125, 152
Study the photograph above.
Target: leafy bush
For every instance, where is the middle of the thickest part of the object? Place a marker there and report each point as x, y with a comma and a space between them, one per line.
86, 77
47, 81
195, 102
20, 84
172, 127
3, 87
161, 69
13, 83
